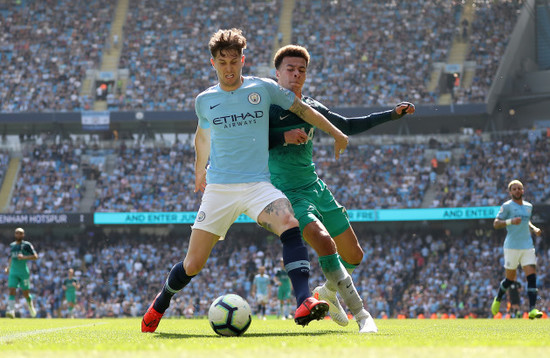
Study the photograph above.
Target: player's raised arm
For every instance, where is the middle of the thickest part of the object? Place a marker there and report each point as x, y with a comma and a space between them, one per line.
316, 119
202, 153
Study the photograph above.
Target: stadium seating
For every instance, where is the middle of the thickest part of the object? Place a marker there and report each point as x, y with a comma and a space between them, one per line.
376, 53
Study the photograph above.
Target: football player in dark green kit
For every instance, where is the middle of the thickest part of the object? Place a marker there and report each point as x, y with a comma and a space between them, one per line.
70, 285
323, 221
21, 251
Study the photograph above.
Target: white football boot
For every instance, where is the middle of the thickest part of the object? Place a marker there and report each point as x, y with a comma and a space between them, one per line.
32, 311
335, 309
365, 322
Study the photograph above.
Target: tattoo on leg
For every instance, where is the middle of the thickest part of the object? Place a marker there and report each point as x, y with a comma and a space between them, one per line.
279, 207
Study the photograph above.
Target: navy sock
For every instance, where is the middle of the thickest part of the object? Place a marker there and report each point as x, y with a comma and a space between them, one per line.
176, 281
532, 290
504, 285
296, 262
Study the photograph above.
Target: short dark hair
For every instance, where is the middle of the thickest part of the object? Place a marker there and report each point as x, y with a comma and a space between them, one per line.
290, 51
223, 40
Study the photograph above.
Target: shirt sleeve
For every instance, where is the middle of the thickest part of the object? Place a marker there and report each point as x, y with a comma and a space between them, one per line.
503, 213
280, 96
203, 122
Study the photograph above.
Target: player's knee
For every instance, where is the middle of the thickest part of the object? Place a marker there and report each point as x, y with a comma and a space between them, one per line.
192, 267
289, 222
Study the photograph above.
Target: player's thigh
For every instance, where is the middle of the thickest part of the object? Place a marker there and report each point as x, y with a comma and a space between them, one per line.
285, 295
270, 208
220, 207
512, 258
70, 297
317, 201
528, 258
14, 280
25, 282
261, 299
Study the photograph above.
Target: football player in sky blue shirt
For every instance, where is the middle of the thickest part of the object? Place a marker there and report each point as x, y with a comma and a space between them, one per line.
515, 216
233, 132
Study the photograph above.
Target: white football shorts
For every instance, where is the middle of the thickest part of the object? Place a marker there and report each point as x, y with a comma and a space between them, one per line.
515, 257
222, 204
261, 299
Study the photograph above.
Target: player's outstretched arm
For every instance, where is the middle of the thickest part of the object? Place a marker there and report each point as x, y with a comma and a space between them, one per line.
348, 125
356, 125
316, 119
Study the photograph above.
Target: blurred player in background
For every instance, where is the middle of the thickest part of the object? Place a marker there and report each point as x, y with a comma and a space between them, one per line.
321, 217
70, 285
233, 132
261, 286
21, 251
284, 291
515, 216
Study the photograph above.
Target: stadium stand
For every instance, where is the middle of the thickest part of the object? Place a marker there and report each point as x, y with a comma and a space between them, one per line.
393, 46
45, 50
384, 174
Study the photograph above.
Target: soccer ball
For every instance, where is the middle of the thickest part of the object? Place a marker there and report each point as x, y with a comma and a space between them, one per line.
230, 315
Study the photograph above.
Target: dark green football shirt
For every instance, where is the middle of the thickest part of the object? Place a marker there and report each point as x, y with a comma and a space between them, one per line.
292, 166
26, 249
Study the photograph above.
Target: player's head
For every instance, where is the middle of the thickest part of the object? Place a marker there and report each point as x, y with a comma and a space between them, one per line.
71, 272
261, 269
291, 63
226, 48
19, 233
515, 188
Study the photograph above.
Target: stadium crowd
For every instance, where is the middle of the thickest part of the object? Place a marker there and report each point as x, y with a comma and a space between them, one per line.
147, 176
375, 53
46, 47
50, 179
404, 272
166, 54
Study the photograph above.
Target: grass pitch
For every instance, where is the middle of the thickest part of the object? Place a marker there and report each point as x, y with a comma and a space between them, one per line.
485, 338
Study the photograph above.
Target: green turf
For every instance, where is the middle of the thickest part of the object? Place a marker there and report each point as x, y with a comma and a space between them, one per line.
274, 338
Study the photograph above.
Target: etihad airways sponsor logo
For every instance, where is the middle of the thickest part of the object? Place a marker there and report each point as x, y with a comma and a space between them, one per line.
239, 119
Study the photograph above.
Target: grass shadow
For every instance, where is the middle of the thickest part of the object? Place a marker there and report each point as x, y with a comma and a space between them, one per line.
252, 335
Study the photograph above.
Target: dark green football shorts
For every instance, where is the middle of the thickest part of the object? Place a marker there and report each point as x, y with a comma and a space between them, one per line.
316, 202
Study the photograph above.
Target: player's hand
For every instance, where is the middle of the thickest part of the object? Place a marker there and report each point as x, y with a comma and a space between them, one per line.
20, 256
537, 231
403, 108
296, 136
340, 144
200, 179
516, 221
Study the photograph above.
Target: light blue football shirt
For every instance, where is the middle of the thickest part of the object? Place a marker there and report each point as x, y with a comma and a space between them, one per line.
239, 129
262, 283
518, 236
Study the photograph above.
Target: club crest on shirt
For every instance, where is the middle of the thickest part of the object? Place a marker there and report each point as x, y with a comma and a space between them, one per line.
254, 98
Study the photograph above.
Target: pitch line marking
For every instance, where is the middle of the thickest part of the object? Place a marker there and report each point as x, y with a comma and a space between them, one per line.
20, 335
